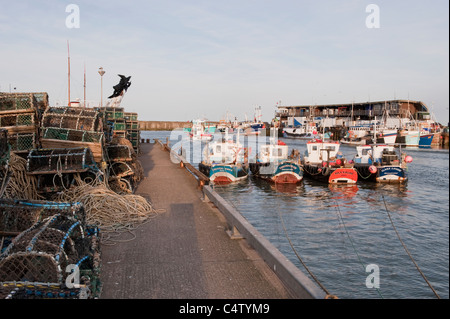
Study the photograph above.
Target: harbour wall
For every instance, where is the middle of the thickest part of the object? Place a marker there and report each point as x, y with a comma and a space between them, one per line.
162, 125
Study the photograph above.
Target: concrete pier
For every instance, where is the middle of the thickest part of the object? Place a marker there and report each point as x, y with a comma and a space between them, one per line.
185, 252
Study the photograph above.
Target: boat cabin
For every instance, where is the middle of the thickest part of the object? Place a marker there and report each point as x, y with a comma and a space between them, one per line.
224, 152
318, 151
272, 153
381, 154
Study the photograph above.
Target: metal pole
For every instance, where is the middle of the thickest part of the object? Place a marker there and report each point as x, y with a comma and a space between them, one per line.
101, 72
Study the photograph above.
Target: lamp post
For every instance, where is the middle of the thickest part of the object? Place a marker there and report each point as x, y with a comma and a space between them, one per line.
101, 72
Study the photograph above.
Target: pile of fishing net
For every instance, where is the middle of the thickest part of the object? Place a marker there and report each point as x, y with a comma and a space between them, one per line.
113, 213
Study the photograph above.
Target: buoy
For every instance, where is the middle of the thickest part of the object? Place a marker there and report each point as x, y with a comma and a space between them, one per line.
338, 162
372, 169
408, 159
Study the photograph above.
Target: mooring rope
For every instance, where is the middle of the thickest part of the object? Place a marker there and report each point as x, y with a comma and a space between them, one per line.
301, 260
407, 251
351, 241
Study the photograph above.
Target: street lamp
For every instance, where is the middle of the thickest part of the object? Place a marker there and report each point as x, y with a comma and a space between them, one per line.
101, 72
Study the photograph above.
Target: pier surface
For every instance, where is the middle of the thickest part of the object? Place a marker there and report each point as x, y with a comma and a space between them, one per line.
184, 252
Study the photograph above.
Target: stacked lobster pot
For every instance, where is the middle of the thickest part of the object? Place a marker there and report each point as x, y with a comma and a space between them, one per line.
20, 115
47, 251
73, 127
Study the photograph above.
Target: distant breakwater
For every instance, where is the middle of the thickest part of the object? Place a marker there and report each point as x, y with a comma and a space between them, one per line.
162, 125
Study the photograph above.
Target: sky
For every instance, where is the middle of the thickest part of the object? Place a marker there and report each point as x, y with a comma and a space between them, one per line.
193, 59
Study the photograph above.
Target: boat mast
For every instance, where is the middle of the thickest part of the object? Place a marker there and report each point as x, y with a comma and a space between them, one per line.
84, 85
68, 73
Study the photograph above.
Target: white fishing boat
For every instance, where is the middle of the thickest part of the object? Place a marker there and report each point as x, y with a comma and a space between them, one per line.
200, 131
225, 161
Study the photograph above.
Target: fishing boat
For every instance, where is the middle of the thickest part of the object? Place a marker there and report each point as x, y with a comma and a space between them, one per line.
255, 127
381, 163
225, 161
411, 137
356, 135
387, 136
425, 139
200, 132
324, 162
275, 164
302, 132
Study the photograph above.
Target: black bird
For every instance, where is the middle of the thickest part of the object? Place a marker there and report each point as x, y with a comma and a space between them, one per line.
124, 84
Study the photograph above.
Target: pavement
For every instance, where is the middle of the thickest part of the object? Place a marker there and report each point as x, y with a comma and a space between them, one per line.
184, 252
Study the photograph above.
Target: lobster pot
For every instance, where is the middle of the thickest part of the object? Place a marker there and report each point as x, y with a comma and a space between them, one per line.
56, 161
72, 135
17, 120
18, 215
23, 101
23, 141
4, 148
42, 255
73, 118
119, 153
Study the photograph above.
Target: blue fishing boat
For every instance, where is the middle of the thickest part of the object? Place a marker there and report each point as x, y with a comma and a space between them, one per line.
275, 164
381, 164
425, 140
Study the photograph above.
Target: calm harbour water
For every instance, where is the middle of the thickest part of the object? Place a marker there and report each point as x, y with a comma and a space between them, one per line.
338, 231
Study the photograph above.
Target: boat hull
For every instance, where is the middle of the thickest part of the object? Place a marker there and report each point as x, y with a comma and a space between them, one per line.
425, 140
224, 173
282, 173
331, 175
383, 174
412, 139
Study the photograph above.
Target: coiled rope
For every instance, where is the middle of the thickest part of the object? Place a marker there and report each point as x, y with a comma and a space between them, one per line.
407, 251
20, 185
113, 213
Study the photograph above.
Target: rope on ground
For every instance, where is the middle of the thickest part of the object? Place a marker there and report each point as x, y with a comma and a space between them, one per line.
407, 251
114, 214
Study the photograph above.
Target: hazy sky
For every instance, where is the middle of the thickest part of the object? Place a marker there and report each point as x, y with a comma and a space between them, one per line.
190, 59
